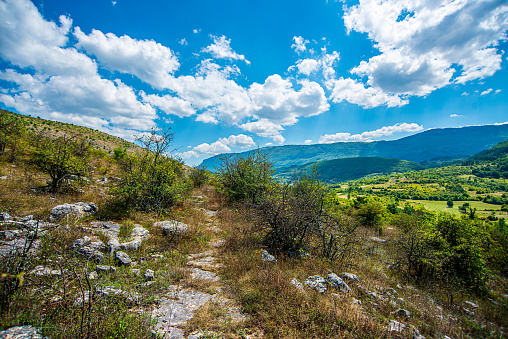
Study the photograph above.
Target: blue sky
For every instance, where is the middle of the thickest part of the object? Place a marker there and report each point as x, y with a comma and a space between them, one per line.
229, 76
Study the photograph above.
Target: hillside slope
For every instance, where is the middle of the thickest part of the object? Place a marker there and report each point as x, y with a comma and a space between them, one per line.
339, 170
428, 145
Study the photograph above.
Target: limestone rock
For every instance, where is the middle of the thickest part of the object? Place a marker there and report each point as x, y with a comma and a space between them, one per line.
4, 216
21, 332
395, 326
79, 209
350, 277
199, 274
297, 284
92, 254
172, 227
122, 258
267, 257
471, 304
149, 275
316, 282
77, 244
337, 282
105, 269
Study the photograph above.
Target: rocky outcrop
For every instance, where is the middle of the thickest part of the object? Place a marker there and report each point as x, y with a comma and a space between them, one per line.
22, 332
172, 227
78, 210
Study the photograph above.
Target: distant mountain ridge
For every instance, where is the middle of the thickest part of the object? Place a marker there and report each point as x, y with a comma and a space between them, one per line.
339, 170
424, 146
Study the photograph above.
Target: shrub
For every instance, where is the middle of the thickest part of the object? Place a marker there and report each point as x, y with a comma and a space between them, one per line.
199, 176
244, 178
449, 250
371, 214
151, 181
62, 158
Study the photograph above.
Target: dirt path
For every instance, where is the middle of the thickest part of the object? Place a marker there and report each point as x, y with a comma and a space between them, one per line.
179, 305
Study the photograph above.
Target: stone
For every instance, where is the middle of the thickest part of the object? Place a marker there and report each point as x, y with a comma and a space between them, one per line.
297, 284
416, 334
337, 282
131, 245
4, 216
44, 271
199, 274
140, 232
200, 255
206, 263
402, 313
172, 227
93, 275
21, 332
115, 291
27, 218
395, 326
350, 277
135, 271
376, 239
267, 257
92, 254
149, 275
357, 302
400, 301
9, 234
97, 245
471, 304
82, 298
105, 269
79, 209
122, 258
77, 244
157, 256
316, 282
176, 310
218, 243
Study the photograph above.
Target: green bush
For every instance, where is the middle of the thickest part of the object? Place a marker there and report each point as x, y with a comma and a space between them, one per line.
199, 176
244, 178
449, 250
151, 181
63, 159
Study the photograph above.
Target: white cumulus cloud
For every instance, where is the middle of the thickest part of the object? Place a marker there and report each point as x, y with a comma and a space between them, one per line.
368, 136
146, 59
223, 145
221, 49
426, 45
299, 44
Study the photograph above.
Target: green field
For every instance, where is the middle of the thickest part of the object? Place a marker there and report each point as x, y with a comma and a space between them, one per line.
442, 207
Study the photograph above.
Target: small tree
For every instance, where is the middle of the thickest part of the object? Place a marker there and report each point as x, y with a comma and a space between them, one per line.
449, 203
151, 180
60, 158
244, 178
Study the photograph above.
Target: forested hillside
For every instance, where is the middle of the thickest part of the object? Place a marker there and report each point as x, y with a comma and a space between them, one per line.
425, 146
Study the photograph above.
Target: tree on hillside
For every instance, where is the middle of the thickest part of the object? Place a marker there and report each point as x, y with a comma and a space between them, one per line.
11, 133
449, 203
60, 158
151, 180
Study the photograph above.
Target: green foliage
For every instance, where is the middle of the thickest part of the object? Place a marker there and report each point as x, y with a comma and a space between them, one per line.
12, 134
339, 170
371, 214
449, 203
244, 179
447, 250
199, 176
119, 153
63, 159
151, 181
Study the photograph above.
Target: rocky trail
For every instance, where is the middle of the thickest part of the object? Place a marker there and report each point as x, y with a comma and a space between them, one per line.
179, 304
